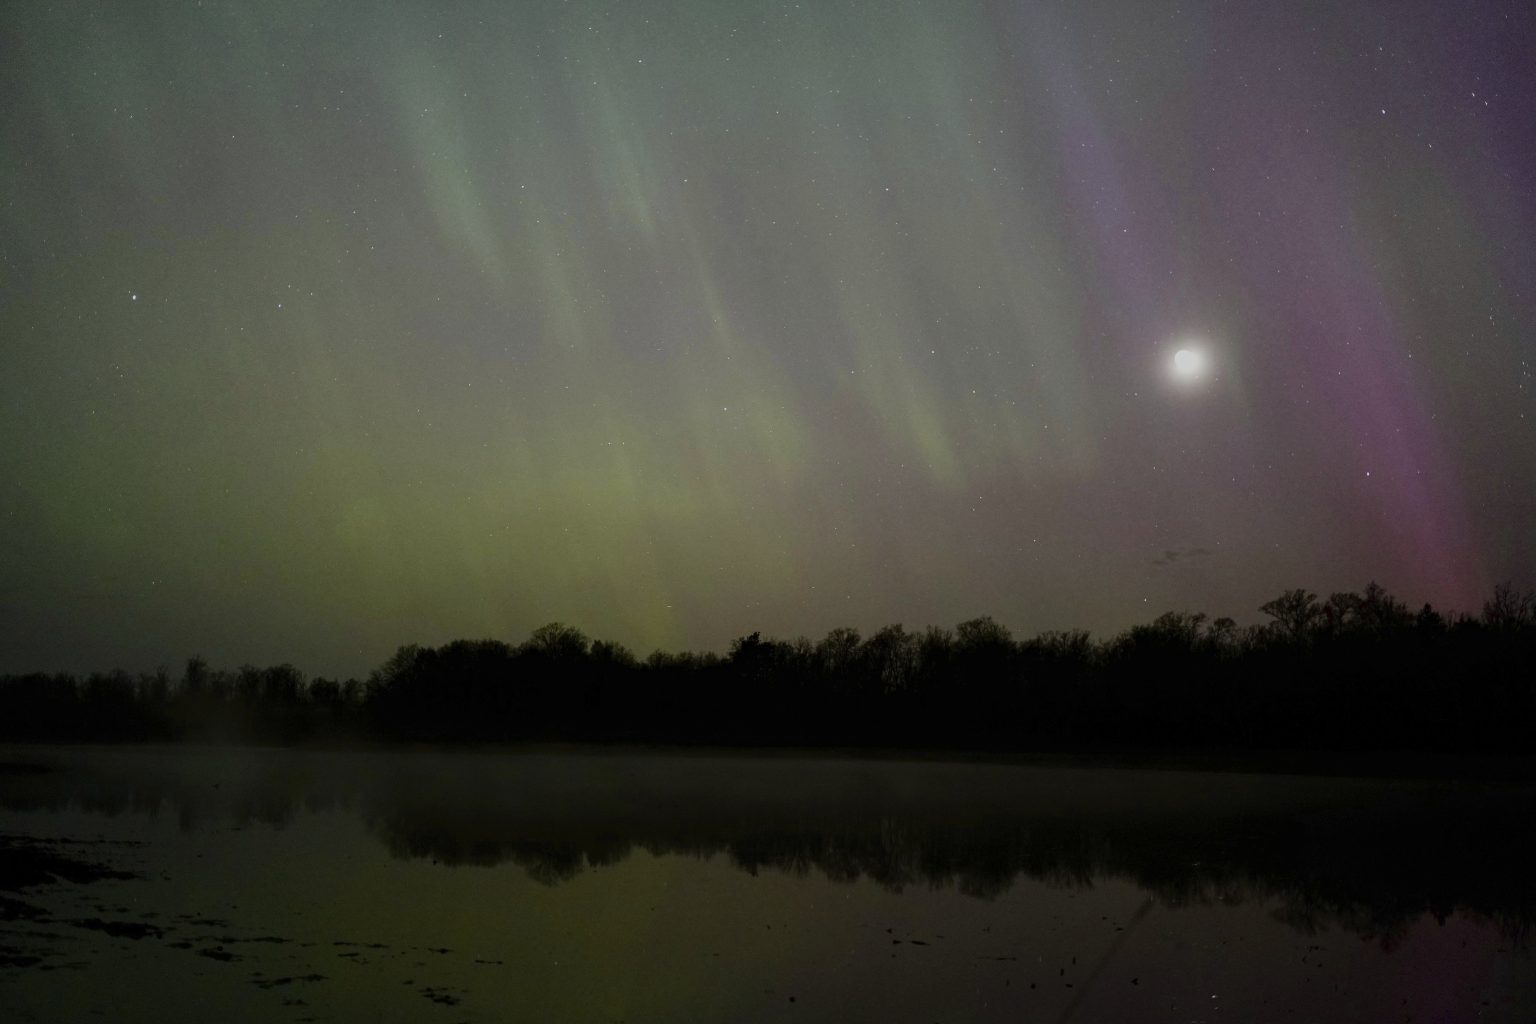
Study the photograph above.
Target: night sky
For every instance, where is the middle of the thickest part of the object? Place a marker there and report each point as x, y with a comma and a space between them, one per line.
327, 327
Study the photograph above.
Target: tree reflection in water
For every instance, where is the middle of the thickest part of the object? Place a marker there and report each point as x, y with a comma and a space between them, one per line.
1370, 856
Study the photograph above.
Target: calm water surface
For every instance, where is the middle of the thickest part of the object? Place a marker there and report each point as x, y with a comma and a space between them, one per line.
237, 884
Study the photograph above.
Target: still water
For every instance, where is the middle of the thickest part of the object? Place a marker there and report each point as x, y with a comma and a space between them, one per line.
155, 884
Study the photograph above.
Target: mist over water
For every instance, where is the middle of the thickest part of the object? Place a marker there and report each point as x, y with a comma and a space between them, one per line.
268, 884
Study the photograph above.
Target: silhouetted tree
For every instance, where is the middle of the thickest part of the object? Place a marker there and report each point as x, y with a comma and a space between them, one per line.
1294, 612
1509, 608
558, 641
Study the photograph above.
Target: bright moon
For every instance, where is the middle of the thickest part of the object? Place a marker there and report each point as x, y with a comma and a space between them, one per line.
1189, 364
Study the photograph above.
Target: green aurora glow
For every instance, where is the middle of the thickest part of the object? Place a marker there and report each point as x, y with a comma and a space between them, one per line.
326, 327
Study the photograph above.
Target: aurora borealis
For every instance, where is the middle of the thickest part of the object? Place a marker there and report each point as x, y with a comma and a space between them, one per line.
326, 327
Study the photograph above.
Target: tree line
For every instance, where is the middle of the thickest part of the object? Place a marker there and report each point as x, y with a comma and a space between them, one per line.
1353, 671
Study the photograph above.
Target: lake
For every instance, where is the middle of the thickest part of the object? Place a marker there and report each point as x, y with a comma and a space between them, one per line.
232, 884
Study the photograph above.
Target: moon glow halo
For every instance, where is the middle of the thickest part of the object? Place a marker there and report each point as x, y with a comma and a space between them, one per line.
1190, 365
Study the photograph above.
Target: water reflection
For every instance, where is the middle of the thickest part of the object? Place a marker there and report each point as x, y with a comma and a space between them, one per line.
1370, 856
